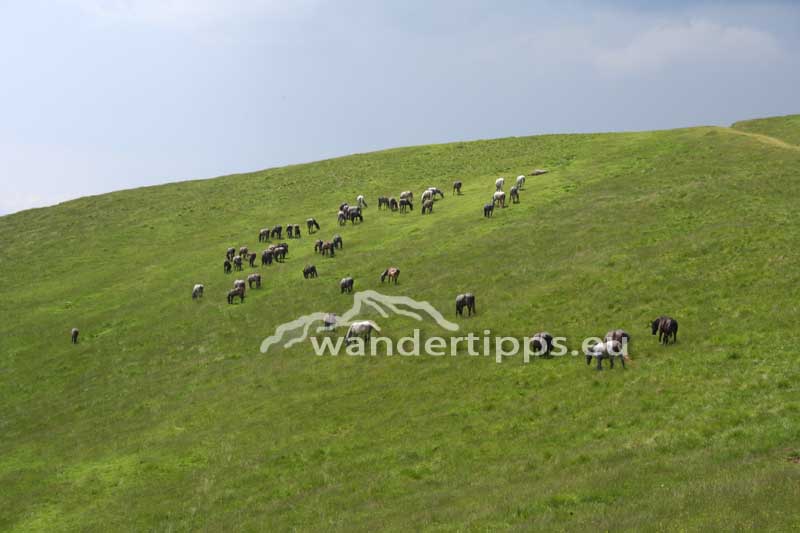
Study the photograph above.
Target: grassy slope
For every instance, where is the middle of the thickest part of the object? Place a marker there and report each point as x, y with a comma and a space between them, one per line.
787, 128
167, 417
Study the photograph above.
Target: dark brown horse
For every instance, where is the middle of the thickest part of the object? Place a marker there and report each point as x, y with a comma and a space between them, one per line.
328, 249
346, 285
665, 327
465, 301
226, 267
457, 187
310, 271
393, 205
383, 202
233, 293
252, 257
254, 279
542, 343
266, 257
318, 245
488, 210
337, 241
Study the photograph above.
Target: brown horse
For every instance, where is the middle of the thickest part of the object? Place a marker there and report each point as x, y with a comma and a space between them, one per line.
328, 249
233, 293
666, 327
392, 273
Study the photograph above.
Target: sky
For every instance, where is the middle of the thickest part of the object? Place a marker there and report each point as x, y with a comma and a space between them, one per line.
101, 95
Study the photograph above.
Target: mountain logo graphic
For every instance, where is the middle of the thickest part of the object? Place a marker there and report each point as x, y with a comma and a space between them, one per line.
291, 333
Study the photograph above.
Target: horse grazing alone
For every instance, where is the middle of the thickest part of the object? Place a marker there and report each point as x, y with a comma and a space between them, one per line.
254, 279
457, 187
666, 327
392, 273
197, 291
465, 301
514, 194
393, 204
230, 253
337, 241
406, 204
310, 271
74, 335
520, 182
226, 267
498, 184
358, 329
383, 202
346, 285
233, 293
312, 225
542, 343
237, 262
427, 206
499, 197
361, 201
488, 210
608, 349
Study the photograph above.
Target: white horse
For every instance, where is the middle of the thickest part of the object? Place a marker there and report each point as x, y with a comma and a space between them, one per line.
608, 349
361, 201
499, 197
358, 329
520, 182
499, 184
427, 195
197, 291
407, 195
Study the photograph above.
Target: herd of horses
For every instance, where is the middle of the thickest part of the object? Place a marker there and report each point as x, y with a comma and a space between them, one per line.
610, 348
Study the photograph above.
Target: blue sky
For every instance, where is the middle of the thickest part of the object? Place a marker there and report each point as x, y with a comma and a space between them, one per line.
100, 95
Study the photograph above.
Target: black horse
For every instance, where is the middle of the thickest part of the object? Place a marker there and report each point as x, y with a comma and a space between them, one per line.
233, 293
337, 241
226, 267
488, 210
457, 187
465, 301
666, 327
346, 285
312, 225
310, 271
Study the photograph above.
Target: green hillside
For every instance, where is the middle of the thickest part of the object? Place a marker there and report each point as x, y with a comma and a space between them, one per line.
786, 129
167, 417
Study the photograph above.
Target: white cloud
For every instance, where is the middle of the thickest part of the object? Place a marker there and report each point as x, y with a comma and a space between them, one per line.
694, 41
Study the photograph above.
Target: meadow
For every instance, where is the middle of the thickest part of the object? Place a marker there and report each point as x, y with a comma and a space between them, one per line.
167, 417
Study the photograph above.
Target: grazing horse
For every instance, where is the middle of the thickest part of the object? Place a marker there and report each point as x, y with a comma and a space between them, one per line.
297, 231
357, 329
240, 284
289, 231
226, 267
197, 291
499, 197
608, 349
383, 202
435, 191
393, 204
233, 293
337, 241
310, 271
520, 182
542, 343
254, 279
252, 258
407, 195
465, 301
427, 205
488, 210
498, 184
427, 195
243, 251
342, 218
74, 335
237, 262
280, 251
318, 245
266, 257
392, 273
619, 335
277, 231
329, 321
346, 285
354, 213
514, 194
361, 201
327, 249
263, 235
666, 327
230, 253
405, 203
457, 187
312, 225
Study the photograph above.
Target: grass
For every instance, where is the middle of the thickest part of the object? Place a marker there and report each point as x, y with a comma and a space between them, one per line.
166, 416
786, 129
